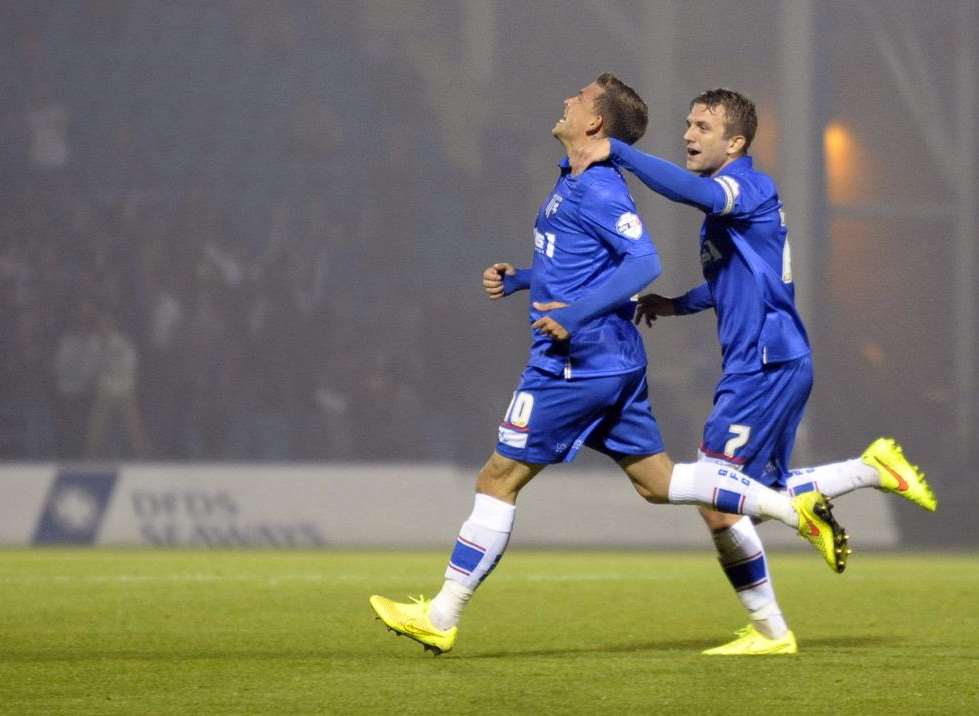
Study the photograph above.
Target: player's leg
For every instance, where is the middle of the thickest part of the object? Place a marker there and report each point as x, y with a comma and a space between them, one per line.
631, 437
659, 480
725, 489
743, 559
772, 403
547, 421
741, 555
633, 431
479, 547
707, 484
882, 466
765, 411
483, 537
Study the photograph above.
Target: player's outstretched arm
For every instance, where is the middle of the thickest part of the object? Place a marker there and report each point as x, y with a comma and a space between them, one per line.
695, 300
502, 279
632, 275
653, 306
669, 180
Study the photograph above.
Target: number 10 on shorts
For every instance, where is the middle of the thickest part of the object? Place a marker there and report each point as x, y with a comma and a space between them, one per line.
518, 413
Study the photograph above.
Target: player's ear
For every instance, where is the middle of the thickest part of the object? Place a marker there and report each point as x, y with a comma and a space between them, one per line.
736, 144
596, 125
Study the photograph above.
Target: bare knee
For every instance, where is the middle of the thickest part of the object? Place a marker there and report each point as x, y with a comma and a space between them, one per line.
650, 496
650, 476
718, 521
503, 478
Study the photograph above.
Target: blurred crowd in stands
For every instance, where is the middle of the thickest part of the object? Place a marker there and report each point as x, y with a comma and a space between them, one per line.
196, 246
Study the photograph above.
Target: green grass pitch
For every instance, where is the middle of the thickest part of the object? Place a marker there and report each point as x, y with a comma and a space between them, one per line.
132, 632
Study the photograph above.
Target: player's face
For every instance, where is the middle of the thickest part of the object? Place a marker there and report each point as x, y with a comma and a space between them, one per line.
579, 114
708, 150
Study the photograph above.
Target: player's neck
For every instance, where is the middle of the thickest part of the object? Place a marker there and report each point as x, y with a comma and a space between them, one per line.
577, 165
727, 162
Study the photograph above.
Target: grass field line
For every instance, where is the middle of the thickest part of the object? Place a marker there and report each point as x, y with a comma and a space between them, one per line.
319, 578
387, 579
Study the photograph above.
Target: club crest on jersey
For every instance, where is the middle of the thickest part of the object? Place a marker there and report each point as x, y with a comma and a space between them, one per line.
552, 206
629, 225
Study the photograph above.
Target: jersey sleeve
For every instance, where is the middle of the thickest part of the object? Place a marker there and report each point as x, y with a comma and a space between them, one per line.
608, 212
629, 278
520, 281
695, 300
742, 195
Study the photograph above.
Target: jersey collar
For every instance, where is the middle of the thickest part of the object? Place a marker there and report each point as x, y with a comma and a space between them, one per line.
738, 165
565, 165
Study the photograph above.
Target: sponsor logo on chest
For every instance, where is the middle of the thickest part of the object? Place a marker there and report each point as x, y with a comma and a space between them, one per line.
553, 205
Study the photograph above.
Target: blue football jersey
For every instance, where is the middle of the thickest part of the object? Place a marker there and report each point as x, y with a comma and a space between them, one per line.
746, 259
585, 227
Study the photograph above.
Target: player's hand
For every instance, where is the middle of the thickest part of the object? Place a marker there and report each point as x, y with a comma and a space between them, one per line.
596, 150
493, 279
547, 325
652, 306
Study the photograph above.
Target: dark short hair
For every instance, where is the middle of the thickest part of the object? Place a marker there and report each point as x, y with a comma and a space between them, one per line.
739, 112
622, 109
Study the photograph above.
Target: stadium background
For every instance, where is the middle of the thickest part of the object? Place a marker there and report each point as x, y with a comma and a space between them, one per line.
283, 208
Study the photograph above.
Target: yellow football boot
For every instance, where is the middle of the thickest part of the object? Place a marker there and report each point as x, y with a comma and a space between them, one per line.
897, 475
818, 527
412, 621
751, 642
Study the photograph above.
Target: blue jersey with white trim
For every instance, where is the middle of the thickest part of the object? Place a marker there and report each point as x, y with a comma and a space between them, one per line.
584, 230
745, 254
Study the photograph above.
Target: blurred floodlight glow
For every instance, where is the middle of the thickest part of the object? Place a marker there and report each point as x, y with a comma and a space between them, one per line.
841, 152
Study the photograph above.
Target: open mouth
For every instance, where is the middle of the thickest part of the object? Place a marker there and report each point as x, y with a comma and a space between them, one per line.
692, 152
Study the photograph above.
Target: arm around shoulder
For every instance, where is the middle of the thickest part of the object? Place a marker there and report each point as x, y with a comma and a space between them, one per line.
668, 179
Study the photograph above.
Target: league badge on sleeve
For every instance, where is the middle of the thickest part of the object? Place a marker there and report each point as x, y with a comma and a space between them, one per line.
629, 225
